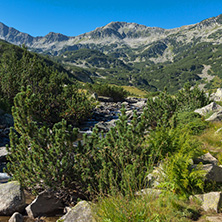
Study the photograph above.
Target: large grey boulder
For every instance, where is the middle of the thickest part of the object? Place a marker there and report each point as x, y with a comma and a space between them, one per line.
12, 198
16, 217
210, 201
213, 173
45, 204
212, 107
81, 212
216, 117
206, 159
218, 95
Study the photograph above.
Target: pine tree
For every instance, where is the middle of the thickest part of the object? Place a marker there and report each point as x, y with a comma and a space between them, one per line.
40, 158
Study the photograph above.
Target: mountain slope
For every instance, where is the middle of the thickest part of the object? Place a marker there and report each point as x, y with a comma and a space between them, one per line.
133, 54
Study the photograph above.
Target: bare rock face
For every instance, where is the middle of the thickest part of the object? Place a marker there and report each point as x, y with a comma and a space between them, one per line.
45, 204
79, 213
210, 201
12, 198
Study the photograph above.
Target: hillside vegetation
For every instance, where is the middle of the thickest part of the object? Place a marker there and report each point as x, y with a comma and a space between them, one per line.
55, 90
130, 54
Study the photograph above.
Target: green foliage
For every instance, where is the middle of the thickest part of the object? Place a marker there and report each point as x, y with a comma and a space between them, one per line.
55, 100
191, 99
167, 207
115, 162
160, 109
115, 92
40, 158
191, 122
180, 177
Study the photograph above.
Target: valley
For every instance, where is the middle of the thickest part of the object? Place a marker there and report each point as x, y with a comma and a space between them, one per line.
124, 53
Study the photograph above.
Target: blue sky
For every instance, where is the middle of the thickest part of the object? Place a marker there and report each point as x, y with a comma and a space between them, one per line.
71, 17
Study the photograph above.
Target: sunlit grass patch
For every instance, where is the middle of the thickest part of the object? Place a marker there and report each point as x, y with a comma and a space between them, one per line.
212, 139
135, 91
167, 207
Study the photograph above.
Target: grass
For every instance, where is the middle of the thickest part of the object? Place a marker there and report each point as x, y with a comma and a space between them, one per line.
135, 91
212, 140
168, 207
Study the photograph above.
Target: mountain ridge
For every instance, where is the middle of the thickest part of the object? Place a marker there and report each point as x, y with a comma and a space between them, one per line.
123, 32
133, 54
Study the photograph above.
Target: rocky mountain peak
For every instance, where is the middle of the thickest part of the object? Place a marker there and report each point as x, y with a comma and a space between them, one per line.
55, 37
14, 36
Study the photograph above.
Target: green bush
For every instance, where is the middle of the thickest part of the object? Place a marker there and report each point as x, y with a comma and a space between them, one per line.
115, 92
190, 99
180, 177
160, 109
40, 158
117, 161
191, 122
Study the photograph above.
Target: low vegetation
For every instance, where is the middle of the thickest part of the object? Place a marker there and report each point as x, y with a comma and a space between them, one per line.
115, 92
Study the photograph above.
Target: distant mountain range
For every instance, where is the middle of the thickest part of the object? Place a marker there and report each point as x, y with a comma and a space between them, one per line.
129, 53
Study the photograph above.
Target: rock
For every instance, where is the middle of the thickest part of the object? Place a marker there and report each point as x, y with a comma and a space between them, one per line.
105, 126
206, 159
16, 217
140, 104
156, 177
216, 117
7, 119
94, 96
213, 173
149, 191
216, 218
129, 114
218, 95
67, 209
12, 198
79, 213
4, 177
3, 154
125, 103
209, 108
45, 204
131, 100
210, 201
